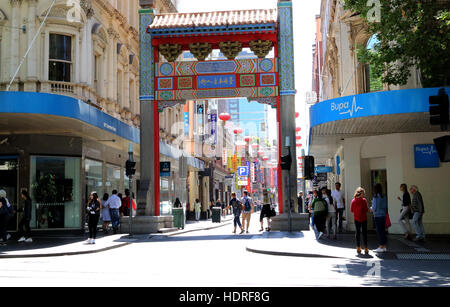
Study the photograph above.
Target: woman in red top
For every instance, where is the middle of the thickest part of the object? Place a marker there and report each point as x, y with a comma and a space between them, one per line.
359, 208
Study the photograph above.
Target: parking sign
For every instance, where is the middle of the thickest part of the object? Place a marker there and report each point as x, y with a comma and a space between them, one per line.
243, 171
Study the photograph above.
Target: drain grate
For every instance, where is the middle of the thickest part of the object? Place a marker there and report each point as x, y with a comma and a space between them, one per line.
423, 256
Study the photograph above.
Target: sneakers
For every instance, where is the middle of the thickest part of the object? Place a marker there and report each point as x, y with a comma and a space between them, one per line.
380, 250
242, 231
21, 240
8, 236
89, 241
366, 251
247, 231
261, 229
320, 235
358, 250
29, 240
93, 241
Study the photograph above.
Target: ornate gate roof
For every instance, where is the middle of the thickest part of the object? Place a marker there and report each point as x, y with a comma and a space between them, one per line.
214, 19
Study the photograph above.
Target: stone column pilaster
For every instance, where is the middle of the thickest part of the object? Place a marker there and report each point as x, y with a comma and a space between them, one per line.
32, 63
287, 99
14, 47
146, 193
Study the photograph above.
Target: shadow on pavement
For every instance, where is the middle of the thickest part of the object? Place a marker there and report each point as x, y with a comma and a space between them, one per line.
391, 274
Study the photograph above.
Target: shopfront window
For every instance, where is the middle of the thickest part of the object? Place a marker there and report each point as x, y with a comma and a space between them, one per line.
8, 183
165, 201
94, 177
55, 188
112, 179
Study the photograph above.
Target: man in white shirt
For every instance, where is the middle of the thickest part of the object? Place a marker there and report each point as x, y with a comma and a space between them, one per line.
339, 199
114, 202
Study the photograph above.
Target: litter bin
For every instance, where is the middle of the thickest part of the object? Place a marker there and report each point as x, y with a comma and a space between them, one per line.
178, 218
216, 213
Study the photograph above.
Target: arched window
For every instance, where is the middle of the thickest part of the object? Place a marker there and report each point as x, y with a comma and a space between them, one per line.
372, 83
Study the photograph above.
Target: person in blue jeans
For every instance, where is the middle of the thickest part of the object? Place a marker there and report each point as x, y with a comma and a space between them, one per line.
419, 210
237, 207
379, 209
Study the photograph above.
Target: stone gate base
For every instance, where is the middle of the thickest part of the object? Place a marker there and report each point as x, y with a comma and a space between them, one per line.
146, 224
300, 222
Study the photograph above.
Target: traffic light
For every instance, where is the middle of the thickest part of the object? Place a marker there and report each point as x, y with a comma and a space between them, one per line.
129, 168
286, 162
439, 110
308, 168
443, 148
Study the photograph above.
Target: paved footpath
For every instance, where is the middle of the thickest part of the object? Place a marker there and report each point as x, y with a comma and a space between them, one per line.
298, 244
50, 245
307, 244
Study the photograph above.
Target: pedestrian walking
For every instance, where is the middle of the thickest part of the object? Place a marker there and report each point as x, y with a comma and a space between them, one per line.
125, 207
339, 199
419, 210
93, 210
224, 208
237, 208
266, 212
379, 209
247, 213
5, 213
300, 202
198, 209
311, 209
105, 213
24, 224
406, 212
331, 217
320, 209
114, 203
177, 203
359, 208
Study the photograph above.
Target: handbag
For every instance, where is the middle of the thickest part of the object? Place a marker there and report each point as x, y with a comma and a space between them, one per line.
388, 221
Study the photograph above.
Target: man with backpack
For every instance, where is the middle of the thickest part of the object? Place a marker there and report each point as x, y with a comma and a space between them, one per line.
320, 208
247, 213
237, 207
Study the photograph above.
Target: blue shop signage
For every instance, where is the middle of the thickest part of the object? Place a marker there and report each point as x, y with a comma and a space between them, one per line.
372, 104
425, 156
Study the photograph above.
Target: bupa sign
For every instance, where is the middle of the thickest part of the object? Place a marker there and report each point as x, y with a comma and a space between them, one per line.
426, 156
344, 107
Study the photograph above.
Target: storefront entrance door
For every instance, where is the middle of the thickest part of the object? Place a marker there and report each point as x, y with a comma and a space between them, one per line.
8, 182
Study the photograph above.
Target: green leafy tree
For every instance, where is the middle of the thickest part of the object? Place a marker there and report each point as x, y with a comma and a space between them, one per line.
410, 33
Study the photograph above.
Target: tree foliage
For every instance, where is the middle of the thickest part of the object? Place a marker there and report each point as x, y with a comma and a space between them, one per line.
410, 33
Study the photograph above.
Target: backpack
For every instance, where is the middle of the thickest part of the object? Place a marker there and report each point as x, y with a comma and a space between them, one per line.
248, 207
4, 209
237, 206
321, 206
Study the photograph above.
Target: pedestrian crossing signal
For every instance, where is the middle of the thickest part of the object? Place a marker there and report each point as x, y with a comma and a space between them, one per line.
129, 168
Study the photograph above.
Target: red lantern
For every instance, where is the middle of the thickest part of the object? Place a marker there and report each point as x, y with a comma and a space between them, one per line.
299, 145
224, 116
237, 131
247, 139
298, 137
265, 158
298, 129
297, 114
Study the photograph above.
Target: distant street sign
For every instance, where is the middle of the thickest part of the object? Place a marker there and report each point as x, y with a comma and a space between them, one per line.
323, 169
243, 171
164, 169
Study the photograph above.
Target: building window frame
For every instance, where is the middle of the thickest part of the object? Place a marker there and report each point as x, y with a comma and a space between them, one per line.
64, 60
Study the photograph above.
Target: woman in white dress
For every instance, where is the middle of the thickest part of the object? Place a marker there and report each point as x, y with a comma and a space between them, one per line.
105, 214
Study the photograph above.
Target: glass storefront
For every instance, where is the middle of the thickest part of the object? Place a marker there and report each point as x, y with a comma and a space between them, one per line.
94, 177
55, 190
112, 179
8, 182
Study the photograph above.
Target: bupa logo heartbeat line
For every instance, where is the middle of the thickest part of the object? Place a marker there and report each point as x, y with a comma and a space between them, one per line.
344, 108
